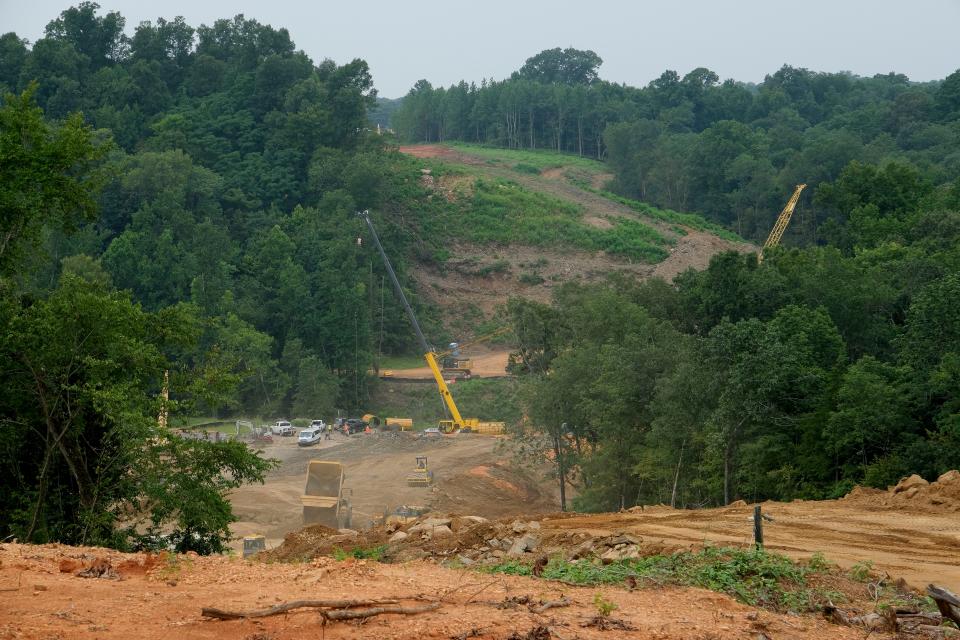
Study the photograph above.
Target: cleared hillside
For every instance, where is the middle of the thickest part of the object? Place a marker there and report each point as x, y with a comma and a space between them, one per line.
527, 222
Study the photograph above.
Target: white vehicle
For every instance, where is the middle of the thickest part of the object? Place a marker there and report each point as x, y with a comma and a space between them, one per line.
282, 428
318, 424
310, 436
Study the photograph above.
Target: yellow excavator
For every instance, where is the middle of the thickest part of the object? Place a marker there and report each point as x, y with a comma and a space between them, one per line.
455, 422
780, 226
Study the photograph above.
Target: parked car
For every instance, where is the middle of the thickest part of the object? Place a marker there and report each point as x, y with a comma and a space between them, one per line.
282, 428
310, 436
318, 424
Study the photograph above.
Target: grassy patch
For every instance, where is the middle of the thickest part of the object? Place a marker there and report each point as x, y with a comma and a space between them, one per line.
485, 398
539, 159
753, 577
504, 213
690, 220
402, 362
373, 553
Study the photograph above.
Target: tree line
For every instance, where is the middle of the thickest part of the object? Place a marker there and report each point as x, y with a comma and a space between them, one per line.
819, 369
177, 210
728, 150
234, 167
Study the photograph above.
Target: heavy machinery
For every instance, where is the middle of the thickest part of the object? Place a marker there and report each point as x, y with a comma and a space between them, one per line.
783, 220
324, 499
421, 476
456, 422
454, 364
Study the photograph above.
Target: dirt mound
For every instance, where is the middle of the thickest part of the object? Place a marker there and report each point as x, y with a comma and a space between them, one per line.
913, 494
495, 490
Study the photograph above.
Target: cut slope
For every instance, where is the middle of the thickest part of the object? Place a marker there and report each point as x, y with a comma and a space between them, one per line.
612, 234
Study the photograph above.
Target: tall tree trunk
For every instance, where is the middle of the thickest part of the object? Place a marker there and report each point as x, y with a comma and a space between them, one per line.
580, 136
676, 477
561, 470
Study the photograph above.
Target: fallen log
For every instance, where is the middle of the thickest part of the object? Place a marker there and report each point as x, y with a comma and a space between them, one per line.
220, 614
551, 604
357, 614
947, 602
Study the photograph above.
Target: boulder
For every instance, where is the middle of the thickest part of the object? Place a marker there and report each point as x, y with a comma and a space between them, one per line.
910, 483
523, 544
436, 522
518, 527
533, 525
398, 536
440, 531
950, 477
582, 550
475, 519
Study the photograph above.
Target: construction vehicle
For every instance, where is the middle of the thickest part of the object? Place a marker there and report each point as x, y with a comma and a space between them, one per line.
454, 364
421, 476
324, 499
404, 514
783, 220
398, 424
456, 422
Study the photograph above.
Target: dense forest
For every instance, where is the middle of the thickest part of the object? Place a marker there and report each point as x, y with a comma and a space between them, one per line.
727, 150
181, 200
180, 203
831, 364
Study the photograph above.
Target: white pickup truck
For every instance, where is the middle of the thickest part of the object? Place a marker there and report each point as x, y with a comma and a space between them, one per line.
282, 428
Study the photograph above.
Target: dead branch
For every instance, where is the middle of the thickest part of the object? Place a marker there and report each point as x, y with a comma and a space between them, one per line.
551, 604
359, 614
211, 612
947, 602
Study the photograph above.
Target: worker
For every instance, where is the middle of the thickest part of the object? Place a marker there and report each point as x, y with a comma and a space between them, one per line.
328, 432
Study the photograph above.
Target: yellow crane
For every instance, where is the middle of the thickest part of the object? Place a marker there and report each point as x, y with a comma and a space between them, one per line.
457, 422
780, 226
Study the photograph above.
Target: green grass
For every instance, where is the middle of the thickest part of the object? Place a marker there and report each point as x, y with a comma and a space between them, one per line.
538, 158
484, 398
402, 362
373, 553
691, 220
753, 577
501, 212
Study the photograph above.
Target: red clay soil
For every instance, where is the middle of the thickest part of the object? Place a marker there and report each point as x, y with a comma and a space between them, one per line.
160, 597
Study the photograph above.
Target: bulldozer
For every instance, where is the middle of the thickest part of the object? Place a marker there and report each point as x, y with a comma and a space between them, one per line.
325, 500
421, 476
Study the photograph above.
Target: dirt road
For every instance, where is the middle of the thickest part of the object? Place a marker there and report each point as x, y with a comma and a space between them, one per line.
470, 475
919, 547
488, 364
156, 598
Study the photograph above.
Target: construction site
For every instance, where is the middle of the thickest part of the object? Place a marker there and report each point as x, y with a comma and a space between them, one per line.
546, 357
426, 527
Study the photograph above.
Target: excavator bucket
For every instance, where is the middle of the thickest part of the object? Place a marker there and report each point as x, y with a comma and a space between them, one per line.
421, 476
322, 498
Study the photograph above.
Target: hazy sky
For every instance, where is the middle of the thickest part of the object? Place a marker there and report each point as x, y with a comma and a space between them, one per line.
446, 41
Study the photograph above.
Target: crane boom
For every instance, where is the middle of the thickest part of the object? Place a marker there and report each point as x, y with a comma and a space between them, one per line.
428, 353
780, 226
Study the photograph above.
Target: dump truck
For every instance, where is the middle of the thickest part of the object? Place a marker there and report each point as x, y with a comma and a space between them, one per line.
325, 500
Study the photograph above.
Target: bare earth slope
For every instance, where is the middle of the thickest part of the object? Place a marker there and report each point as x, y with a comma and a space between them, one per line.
693, 249
157, 598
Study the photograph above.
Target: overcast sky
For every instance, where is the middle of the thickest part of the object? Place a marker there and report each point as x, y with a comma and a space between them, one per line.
446, 41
